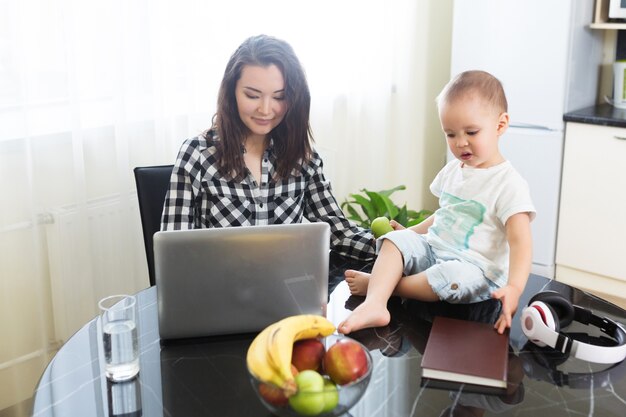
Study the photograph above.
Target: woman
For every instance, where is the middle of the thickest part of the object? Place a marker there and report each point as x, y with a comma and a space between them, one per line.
256, 164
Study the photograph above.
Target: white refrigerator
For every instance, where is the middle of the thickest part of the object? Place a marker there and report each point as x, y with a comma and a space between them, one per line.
548, 61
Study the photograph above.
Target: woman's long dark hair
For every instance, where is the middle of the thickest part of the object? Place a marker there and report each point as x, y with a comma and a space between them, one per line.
292, 137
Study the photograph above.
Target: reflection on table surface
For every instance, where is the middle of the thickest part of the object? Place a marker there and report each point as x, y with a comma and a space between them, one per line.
208, 377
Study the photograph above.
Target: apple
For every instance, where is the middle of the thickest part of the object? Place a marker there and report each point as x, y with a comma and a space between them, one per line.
309, 400
273, 394
380, 226
331, 396
345, 361
308, 354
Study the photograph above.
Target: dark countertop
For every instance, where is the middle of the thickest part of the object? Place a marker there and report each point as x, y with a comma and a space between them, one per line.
601, 114
208, 377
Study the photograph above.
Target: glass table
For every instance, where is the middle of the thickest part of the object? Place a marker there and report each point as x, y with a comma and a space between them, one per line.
208, 377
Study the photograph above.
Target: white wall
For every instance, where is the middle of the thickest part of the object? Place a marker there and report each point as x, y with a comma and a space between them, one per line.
409, 154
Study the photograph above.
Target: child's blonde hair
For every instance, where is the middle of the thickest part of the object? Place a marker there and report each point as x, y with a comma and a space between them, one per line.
481, 83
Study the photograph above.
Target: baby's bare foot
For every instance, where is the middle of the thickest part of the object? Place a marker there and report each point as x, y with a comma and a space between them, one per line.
357, 281
365, 315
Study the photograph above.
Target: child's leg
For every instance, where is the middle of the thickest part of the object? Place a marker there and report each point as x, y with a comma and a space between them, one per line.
414, 286
417, 256
386, 273
457, 281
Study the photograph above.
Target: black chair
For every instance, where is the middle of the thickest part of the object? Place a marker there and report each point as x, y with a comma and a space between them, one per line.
152, 184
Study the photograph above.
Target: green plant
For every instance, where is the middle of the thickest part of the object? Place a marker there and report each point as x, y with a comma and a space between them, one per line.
365, 207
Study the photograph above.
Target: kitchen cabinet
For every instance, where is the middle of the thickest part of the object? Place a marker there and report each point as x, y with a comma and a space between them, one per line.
601, 17
591, 242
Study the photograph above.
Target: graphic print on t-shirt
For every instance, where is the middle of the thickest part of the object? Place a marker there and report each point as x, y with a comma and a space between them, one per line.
457, 219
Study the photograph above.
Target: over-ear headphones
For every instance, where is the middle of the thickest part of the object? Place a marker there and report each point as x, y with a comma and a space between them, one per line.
548, 312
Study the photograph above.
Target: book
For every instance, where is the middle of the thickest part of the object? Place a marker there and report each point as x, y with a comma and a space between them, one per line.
465, 353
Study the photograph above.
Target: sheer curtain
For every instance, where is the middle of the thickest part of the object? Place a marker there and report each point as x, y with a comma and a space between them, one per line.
91, 89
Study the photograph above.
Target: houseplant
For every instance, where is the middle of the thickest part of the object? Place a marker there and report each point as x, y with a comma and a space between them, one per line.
365, 206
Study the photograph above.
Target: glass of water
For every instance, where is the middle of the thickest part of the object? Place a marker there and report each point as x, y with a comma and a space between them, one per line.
124, 398
119, 337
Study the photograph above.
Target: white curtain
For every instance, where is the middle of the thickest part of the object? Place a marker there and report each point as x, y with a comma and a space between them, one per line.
90, 89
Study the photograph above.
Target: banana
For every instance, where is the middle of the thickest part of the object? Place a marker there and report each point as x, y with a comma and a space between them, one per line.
284, 333
269, 354
258, 363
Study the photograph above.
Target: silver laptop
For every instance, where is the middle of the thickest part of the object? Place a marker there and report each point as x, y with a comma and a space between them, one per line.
239, 279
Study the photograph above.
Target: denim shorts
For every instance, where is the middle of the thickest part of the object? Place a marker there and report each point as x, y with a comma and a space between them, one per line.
452, 279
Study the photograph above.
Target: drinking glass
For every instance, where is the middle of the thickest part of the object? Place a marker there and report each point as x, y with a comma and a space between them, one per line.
124, 398
119, 337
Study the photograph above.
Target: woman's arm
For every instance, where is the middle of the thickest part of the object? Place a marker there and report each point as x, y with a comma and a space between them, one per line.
178, 208
321, 206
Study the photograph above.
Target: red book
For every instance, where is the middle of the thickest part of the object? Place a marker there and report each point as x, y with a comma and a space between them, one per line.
469, 353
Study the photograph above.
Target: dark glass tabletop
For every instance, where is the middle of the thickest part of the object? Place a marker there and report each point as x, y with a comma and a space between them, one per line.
208, 377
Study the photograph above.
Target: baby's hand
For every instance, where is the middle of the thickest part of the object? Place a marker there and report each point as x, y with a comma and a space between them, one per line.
396, 225
509, 297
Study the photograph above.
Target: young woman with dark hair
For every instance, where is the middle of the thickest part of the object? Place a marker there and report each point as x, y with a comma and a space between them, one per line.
256, 164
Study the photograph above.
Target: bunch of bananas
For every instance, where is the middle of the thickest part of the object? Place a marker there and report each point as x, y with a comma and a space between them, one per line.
269, 354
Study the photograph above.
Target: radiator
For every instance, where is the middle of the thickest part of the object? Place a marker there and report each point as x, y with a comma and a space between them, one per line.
94, 250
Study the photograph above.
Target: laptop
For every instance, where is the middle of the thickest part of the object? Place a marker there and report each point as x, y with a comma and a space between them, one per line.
221, 281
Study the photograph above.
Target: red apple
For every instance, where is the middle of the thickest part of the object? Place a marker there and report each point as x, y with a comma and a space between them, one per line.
345, 361
273, 394
308, 355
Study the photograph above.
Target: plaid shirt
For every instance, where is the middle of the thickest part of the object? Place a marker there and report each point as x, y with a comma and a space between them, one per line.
200, 197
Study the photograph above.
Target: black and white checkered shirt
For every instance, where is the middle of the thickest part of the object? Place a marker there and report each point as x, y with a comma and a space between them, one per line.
200, 197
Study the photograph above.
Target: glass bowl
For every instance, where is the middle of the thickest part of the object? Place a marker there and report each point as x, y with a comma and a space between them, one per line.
349, 394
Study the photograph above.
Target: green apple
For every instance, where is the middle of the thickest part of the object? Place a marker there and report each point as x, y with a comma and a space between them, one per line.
331, 396
309, 400
380, 226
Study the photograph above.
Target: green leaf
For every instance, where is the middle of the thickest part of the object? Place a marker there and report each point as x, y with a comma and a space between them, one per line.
391, 208
413, 214
390, 191
423, 214
365, 204
402, 217
354, 215
413, 222
378, 203
379, 206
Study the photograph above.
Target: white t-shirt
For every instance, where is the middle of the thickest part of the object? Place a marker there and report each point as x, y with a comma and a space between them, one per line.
475, 204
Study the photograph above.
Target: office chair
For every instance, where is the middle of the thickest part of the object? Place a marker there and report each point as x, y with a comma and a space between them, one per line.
152, 184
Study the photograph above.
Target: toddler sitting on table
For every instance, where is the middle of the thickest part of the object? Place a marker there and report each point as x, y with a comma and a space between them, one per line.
478, 244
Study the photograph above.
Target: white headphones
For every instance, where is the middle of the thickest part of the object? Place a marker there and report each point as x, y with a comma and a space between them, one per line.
548, 312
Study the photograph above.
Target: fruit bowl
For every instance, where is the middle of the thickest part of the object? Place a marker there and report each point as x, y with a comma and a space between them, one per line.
344, 396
